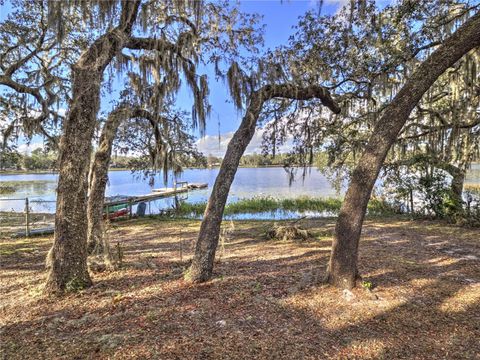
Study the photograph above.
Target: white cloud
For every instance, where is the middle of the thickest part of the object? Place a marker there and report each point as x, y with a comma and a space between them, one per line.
339, 4
27, 149
345, 2
210, 144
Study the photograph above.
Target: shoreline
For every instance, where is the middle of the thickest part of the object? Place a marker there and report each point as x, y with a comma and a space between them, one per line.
54, 172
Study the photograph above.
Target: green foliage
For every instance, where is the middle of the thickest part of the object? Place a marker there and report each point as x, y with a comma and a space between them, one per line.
258, 160
213, 160
330, 206
195, 209
367, 285
10, 159
75, 285
378, 206
253, 205
6, 189
268, 204
187, 275
437, 196
38, 160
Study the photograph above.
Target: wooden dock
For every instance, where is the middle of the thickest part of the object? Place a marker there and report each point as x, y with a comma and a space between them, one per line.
35, 232
128, 202
157, 194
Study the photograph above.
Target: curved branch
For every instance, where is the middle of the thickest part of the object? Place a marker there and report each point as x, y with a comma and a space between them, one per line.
434, 129
202, 265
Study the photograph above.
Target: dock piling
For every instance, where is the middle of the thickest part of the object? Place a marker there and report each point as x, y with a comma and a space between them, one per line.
27, 218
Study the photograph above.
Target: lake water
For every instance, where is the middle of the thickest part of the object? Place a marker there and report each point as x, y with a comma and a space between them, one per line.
249, 182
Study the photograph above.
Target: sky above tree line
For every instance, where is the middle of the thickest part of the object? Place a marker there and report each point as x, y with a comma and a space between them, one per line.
279, 18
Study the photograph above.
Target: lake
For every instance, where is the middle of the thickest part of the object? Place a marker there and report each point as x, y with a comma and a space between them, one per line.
249, 182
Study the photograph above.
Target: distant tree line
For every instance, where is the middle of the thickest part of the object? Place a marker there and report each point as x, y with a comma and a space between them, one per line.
46, 160
258, 160
37, 160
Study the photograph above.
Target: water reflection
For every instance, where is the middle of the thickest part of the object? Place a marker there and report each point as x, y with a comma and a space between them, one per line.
248, 183
36, 187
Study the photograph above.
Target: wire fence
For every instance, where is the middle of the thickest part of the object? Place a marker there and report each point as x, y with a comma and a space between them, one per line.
23, 217
18, 217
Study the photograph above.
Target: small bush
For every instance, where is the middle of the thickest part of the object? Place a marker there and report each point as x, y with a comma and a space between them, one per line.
288, 232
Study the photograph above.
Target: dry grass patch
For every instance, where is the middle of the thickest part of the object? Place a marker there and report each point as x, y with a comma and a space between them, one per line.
266, 299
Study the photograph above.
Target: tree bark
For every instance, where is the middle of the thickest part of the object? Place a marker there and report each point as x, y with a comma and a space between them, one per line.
458, 174
202, 265
69, 253
99, 173
458, 179
342, 270
98, 183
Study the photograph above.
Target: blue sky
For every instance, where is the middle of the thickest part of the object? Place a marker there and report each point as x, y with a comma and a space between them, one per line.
279, 17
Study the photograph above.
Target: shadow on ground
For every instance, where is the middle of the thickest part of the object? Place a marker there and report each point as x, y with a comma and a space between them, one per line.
265, 301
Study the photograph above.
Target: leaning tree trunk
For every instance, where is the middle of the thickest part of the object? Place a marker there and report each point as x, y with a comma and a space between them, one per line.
96, 242
98, 184
342, 270
68, 269
202, 265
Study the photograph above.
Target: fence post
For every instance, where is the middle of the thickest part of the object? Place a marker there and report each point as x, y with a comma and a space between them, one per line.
27, 218
411, 201
129, 208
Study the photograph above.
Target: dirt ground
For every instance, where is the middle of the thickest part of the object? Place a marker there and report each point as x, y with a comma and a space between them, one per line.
266, 300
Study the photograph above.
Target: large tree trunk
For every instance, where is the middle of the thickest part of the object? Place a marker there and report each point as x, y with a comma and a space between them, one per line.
458, 179
202, 265
342, 270
69, 253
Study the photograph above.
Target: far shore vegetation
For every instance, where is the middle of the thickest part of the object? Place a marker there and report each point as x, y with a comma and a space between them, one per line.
435, 192
45, 161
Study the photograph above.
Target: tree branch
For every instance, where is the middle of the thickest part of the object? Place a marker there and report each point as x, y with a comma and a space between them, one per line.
290, 91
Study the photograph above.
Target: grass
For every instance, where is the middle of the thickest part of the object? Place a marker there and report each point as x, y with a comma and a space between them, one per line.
15, 250
266, 204
473, 188
6, 189
10, 187
17, 183
330, 206
418, 299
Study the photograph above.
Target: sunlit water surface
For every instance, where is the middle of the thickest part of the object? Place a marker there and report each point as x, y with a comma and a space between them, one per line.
248, 183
